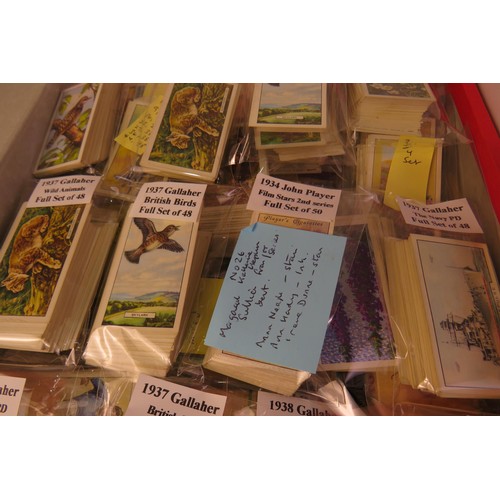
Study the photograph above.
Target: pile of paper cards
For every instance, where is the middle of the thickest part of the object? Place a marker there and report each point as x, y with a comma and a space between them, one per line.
445, 305
50, 251
148, 294
294, 120
389, 108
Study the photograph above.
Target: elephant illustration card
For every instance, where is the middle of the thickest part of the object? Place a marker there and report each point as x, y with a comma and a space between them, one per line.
191, 130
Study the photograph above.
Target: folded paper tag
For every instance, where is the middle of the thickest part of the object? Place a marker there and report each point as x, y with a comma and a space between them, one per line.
409, 171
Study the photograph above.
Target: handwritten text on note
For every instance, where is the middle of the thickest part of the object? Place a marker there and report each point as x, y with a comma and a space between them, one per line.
276, 297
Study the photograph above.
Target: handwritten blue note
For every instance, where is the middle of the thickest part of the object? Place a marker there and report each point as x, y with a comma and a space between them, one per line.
276, 297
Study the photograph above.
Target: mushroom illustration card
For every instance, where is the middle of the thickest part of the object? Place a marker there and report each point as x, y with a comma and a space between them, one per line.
191, 130
149, 281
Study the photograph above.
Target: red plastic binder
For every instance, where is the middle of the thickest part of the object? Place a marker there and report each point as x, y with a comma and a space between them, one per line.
481, 129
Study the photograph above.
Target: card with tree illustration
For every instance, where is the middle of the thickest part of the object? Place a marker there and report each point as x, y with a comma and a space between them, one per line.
190, 134
32, 260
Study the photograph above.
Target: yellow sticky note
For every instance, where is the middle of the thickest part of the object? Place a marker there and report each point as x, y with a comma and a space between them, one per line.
136, 135
409, 172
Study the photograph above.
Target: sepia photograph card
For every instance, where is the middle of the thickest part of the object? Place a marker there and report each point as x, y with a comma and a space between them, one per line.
462, 297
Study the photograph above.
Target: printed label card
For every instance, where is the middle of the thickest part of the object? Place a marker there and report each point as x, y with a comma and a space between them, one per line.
276, 297
11, 392
454, 215
276, 196
155, 397
276, 405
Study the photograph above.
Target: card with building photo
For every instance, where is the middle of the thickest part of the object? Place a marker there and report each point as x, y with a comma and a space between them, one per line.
191, 130
289, 107
80, 130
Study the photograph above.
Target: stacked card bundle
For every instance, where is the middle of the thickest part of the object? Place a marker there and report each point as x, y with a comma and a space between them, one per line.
389, 108
263, 324
147, 296
49, 252
445, 304
359, 335
81, 129
293, 119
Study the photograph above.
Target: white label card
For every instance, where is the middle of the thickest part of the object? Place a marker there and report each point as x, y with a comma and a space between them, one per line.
11, 391
159, 398
276, 196
169, 200
275, 405
68, 190
455, 215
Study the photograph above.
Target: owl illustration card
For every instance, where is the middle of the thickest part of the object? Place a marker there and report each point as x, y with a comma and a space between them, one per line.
190, 133
289, 107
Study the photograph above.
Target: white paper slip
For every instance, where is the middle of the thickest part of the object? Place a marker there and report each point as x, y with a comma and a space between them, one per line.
169, 200
275, 405
454, 215
66, 190
158, 398
276, 196
11, 392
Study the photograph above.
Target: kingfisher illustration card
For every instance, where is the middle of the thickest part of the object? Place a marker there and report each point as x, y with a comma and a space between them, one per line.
277, 294
191, 130
146, 291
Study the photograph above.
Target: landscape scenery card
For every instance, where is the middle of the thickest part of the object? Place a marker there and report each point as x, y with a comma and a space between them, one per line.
190, 133
266, 139
408, 90
68, 130
33, 258
462, 300
289, 106
153, 264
